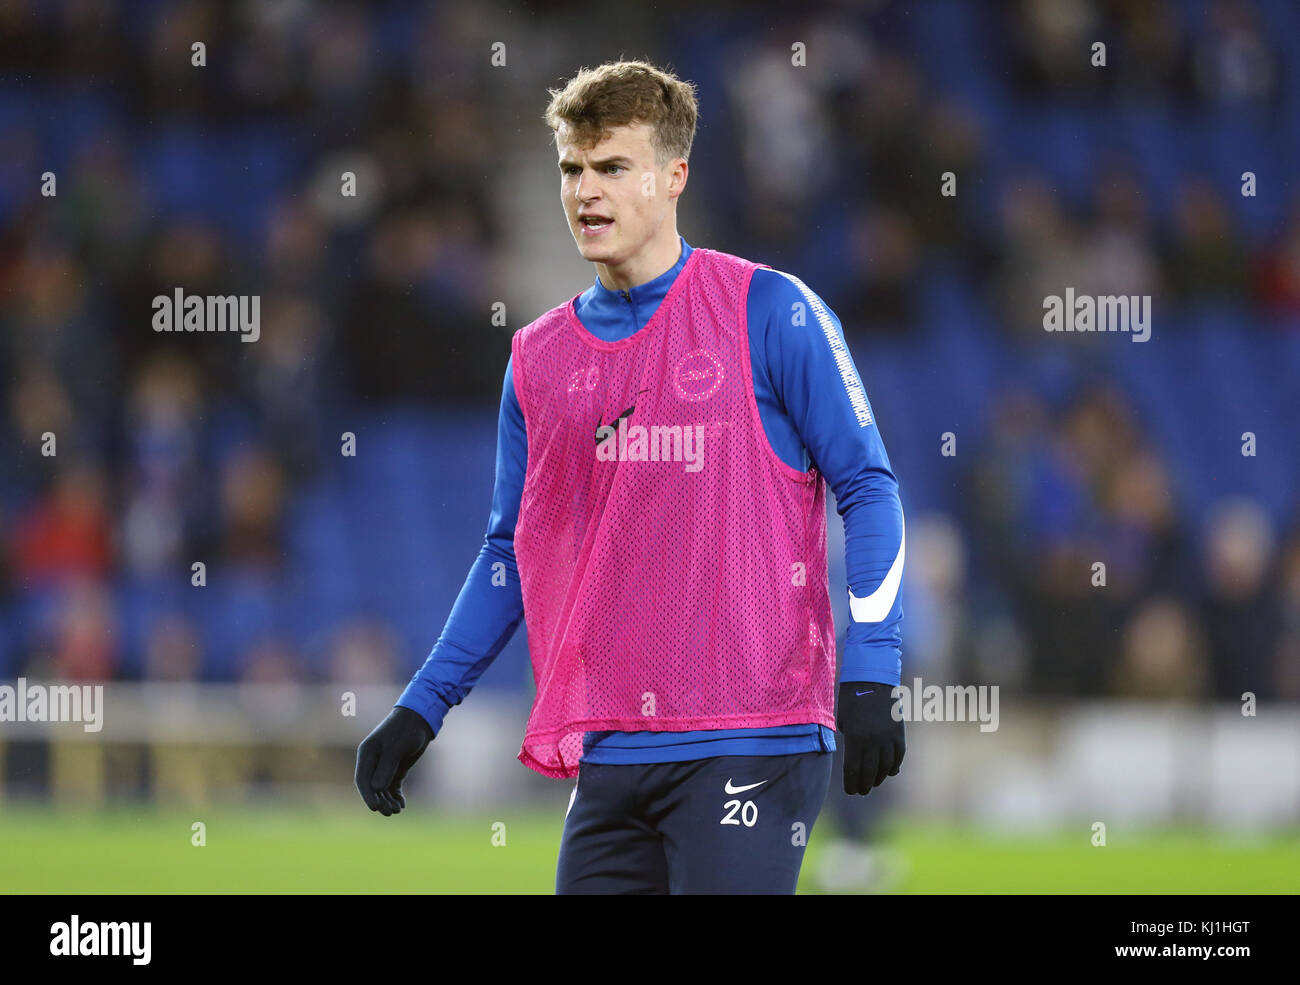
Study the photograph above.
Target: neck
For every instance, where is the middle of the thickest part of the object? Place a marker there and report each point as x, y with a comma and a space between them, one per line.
658, 258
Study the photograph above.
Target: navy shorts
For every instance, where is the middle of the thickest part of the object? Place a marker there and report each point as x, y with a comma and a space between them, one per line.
727, 824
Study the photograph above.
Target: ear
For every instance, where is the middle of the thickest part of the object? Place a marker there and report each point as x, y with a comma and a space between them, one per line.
677, 177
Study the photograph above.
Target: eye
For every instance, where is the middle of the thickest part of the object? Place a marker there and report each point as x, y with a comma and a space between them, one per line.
615, 167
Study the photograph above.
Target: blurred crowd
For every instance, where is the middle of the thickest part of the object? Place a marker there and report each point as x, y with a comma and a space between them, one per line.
225, 180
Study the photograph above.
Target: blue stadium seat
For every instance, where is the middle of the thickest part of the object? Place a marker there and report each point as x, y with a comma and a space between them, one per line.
238, 609
141, 602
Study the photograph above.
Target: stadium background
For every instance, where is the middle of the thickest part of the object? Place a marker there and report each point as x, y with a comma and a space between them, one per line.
329, 574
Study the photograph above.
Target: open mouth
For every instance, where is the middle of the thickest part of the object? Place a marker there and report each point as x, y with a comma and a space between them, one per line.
593, 225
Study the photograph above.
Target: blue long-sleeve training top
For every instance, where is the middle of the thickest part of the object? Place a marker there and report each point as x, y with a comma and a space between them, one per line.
813, 407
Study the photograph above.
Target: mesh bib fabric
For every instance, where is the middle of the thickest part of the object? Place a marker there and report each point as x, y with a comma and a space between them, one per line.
673, 567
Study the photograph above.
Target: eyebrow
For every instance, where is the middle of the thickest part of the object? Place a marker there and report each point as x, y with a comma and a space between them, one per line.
618, 159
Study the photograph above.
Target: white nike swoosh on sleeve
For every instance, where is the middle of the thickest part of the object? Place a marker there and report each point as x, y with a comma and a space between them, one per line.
876, 606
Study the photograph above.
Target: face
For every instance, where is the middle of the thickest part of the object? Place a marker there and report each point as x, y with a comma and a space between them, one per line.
618, 181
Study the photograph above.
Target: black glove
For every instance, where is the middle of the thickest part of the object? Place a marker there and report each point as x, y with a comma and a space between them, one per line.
873, 741
386, 754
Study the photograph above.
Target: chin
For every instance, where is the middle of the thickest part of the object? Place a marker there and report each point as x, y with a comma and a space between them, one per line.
595, 252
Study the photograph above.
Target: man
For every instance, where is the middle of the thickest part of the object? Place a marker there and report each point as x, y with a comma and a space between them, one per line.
660, 513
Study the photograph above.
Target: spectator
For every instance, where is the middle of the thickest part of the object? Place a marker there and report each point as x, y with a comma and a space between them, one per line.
67, 532
1205, 260
1162, 655
1240, 607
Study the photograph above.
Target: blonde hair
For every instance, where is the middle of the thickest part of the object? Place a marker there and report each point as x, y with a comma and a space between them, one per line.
616, 94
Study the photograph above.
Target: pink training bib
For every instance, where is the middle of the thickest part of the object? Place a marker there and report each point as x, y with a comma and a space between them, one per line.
673, 567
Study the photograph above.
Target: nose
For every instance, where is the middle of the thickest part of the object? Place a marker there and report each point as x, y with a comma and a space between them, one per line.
587, 188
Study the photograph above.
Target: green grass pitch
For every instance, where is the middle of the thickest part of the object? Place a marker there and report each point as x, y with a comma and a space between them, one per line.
353, 851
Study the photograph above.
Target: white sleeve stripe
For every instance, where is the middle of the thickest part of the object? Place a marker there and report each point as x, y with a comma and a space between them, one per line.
852, 385
877, 606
